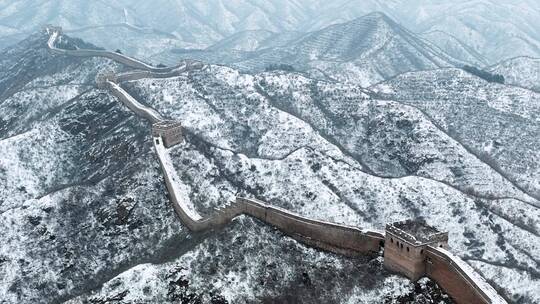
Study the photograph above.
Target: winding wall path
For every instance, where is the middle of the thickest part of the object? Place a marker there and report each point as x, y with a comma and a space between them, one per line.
55, 32
146, 112
455, 276
325, 235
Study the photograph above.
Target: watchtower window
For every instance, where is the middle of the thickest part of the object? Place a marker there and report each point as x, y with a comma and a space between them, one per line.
401, 245
421, 251
391, 240
407, 248
157, 141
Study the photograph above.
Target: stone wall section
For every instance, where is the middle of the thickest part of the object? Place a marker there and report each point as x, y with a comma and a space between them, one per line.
328, 236
458, 279
146, 112
320, 234
407, 260
125, 60
185, 66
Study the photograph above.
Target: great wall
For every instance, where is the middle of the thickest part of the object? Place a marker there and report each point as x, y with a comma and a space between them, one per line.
411, 248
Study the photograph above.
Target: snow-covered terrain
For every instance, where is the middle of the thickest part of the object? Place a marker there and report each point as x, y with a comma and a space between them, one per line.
496, 29
85, 214
255, 40
484, 26
455, 48
247, 129
363, 51
83, 202
499, 124
520, 71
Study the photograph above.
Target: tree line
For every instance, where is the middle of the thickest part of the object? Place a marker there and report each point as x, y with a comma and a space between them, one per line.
490, 77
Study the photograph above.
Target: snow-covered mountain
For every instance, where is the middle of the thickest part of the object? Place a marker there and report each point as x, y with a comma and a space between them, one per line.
520, 71
85, 216
484, 26
364, 51
84, 211
455, 48
496, 29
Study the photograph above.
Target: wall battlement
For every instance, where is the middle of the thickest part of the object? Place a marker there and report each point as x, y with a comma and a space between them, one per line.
411, 247
170, 132
102, 79
405, 246
417, 232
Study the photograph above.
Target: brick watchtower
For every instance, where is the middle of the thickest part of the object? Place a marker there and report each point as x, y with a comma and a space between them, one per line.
405, 244
103, 78
170, 132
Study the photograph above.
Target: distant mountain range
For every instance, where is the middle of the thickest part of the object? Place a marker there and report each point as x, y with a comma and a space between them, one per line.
495, 30
455, 47
365, 50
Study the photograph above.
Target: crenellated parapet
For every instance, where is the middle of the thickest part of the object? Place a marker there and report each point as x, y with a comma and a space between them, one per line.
169, 131
417, 232
405, 246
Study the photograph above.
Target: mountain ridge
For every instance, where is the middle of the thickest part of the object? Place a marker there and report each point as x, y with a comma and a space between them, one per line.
368, 49
482, 24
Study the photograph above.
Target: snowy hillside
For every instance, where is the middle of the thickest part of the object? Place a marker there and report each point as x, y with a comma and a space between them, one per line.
363, 51
495, 122
520, 71
455, 48
496, 29
271, 139
85, 215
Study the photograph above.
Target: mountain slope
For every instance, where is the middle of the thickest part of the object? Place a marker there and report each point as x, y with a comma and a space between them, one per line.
365, 50
254, 40
495, 29
520, 71
455, 48
485, 25
253, 139
495, 122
